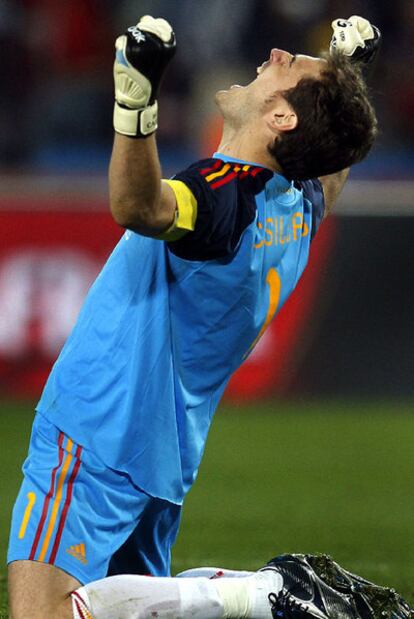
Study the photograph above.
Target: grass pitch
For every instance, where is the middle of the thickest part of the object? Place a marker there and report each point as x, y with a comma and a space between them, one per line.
318, 477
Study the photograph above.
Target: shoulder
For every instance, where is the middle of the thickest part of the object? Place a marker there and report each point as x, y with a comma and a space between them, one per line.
223, 194
217, 174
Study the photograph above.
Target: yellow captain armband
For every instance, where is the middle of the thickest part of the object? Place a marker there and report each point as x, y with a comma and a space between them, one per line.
186, 213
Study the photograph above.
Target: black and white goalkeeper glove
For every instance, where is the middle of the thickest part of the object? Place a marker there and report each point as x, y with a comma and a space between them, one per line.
142, 55
357, 38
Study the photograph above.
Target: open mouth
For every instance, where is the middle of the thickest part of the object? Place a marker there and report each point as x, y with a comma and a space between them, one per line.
263, 67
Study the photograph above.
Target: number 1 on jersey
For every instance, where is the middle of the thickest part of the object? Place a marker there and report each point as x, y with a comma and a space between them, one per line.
275, 286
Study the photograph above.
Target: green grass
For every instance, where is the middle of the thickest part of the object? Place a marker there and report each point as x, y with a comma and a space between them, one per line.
320, 477
15, 422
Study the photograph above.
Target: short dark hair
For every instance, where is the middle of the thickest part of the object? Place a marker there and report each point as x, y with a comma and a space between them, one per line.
336, 126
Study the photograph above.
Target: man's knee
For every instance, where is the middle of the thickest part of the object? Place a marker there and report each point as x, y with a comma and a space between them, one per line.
38, 590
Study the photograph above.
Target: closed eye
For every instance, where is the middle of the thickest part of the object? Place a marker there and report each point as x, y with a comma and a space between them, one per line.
293, 60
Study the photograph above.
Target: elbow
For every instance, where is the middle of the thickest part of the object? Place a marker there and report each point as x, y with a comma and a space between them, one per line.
123, 214
138, 217
134, 208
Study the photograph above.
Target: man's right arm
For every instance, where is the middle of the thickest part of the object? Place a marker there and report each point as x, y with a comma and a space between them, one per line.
138, 198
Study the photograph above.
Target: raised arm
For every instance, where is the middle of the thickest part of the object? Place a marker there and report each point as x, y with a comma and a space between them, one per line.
360, 41
138, 198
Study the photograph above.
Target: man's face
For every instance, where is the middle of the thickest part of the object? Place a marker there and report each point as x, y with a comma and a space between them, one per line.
281, 72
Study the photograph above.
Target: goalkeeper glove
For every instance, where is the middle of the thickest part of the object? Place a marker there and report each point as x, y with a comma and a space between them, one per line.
357, 38
142, 55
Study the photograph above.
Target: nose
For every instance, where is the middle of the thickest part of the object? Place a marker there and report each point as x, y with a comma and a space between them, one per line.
279, 56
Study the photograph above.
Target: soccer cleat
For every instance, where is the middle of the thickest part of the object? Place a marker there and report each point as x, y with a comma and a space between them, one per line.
381, 602
306, 596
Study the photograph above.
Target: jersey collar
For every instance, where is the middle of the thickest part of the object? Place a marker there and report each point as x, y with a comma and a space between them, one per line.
278, 178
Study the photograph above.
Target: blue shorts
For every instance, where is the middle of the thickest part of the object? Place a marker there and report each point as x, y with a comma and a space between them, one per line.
90, 521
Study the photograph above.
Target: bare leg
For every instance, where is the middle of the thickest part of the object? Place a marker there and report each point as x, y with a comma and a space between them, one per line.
38, 590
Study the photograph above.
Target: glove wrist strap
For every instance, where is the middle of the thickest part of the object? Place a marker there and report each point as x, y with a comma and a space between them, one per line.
136, 123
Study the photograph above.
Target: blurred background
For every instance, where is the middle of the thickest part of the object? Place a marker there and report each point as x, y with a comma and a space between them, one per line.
347, 331
56, 96
335, 369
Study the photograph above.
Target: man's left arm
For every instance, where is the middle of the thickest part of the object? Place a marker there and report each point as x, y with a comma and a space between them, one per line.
332, 186
360, 41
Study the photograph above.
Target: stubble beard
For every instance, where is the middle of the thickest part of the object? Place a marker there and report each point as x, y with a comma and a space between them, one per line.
232, 106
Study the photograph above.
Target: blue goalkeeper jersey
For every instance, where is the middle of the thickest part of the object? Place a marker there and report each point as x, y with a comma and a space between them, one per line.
168, 320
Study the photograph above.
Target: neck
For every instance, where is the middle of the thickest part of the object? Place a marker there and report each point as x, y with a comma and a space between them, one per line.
243, 143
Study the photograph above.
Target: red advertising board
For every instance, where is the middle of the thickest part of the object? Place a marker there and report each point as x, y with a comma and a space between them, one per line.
48, 259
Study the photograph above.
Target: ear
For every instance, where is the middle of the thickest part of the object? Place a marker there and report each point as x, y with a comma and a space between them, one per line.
281, 116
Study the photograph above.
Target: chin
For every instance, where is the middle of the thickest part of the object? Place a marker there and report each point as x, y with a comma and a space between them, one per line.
220, 98
231, 103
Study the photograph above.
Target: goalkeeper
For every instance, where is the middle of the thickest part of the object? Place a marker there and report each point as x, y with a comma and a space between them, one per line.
207, 260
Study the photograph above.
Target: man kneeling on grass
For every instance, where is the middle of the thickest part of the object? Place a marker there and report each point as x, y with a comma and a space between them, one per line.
185, 296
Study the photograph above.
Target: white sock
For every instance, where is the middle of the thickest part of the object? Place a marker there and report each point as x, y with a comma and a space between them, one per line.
247, 598
141, 597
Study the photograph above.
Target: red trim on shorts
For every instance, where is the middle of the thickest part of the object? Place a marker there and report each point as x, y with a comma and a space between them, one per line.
47, 500
65, 510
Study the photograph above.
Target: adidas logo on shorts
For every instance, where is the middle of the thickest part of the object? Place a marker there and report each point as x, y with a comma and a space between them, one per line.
78, 552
